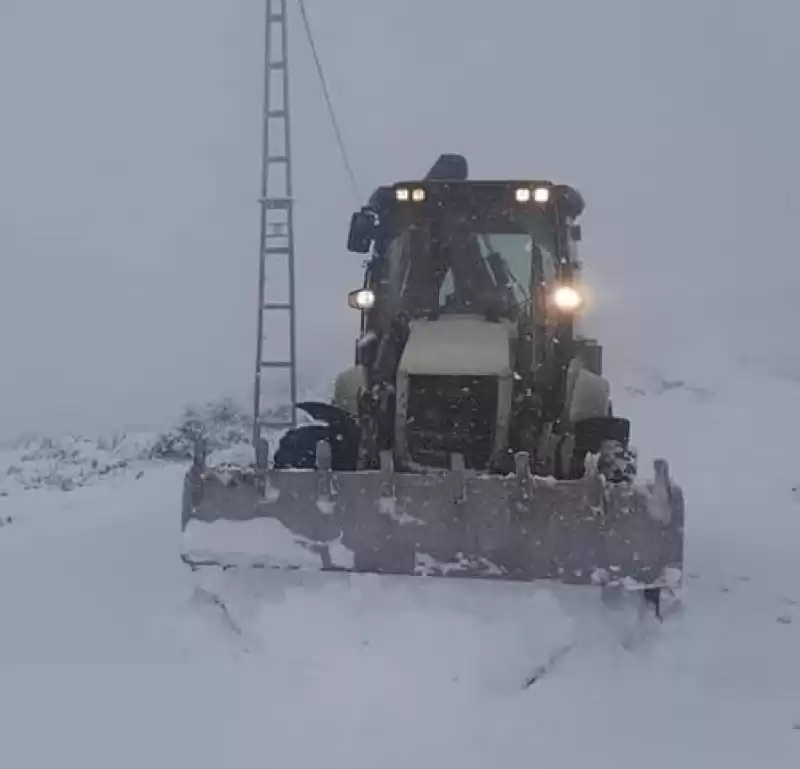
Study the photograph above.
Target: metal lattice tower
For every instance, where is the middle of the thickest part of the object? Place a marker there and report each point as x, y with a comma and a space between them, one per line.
276, 249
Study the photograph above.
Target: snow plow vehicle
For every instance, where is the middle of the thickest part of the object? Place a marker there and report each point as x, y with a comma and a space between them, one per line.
474, 436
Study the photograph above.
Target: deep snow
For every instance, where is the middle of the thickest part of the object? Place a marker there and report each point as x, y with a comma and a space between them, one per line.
113, 654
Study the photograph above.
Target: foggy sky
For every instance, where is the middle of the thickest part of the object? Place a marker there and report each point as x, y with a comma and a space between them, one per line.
129, 175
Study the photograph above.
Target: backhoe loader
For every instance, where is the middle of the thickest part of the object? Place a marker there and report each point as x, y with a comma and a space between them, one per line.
474, 435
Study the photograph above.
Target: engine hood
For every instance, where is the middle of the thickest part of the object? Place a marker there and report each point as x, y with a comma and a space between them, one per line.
458, 345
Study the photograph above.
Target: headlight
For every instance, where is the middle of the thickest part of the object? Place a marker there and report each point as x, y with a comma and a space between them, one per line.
404, 194
523, 195
361, 299
567, 298
541, 194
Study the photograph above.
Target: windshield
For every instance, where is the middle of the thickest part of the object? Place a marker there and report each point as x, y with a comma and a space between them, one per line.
509, 259
451, 260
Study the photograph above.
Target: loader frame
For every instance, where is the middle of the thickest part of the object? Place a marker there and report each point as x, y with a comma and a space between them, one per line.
544, 343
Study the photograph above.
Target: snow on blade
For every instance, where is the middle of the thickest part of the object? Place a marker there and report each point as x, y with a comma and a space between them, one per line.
341, 556
388, 506
426, 565
259, 542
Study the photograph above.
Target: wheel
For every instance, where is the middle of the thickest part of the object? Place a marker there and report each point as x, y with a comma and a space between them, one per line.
298, 448
608, 438
617, 462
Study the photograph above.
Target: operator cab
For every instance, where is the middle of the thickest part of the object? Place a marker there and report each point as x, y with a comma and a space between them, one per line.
503, 250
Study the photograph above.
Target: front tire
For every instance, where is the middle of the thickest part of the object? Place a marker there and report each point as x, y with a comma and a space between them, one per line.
608, 438
617, 462
297, 448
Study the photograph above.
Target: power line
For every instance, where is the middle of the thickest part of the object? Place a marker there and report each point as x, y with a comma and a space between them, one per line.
331, 111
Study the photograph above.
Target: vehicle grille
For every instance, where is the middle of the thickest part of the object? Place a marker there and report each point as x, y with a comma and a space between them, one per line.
451, 414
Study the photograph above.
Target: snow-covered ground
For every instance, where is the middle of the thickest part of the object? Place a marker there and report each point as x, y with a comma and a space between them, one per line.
112, 656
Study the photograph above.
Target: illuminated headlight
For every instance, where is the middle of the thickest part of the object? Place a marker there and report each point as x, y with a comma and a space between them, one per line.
567, 298
523, 195
418, 195
541, 194
363, 299
401, 193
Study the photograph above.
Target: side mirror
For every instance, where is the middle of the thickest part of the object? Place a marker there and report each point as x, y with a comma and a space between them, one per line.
362, 232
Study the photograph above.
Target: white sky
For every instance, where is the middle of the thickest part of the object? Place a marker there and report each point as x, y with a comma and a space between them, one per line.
129, 173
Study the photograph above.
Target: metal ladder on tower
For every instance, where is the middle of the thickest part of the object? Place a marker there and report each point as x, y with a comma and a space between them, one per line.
277, 220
